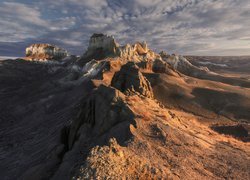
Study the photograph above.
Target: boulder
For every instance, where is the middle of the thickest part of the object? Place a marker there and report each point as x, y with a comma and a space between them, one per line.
130, 79
45, 52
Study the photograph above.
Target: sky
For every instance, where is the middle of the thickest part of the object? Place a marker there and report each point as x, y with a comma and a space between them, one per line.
188, 27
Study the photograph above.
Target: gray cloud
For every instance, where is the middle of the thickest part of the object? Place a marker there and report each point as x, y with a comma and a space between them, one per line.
206, 27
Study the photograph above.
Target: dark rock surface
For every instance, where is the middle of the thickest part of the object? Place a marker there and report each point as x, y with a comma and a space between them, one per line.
36, 103
237, 131
130, 79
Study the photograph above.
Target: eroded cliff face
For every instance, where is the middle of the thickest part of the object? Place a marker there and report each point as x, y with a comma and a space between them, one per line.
45, 52
103, 46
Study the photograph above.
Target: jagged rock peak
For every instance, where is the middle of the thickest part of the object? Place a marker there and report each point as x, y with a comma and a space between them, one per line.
45, 52
130, 80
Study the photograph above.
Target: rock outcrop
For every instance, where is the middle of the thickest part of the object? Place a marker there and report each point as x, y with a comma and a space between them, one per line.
45, 52
104, 109
101, 46
130, 80
137, 52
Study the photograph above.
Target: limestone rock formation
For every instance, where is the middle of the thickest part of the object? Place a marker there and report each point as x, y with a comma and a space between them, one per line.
101, 46
130, 79
45, 52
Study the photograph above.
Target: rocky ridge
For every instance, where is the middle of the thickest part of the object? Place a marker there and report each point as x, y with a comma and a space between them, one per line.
102, 46
111, 117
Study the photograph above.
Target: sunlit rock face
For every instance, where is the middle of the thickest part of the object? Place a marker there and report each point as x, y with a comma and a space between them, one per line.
45, 52
134, 52
137, 52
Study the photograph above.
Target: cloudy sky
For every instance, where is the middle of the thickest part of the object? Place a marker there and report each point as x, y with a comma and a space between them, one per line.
197, 27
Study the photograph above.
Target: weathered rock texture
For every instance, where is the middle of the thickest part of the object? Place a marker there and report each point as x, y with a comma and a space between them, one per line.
129, 79
45, 52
